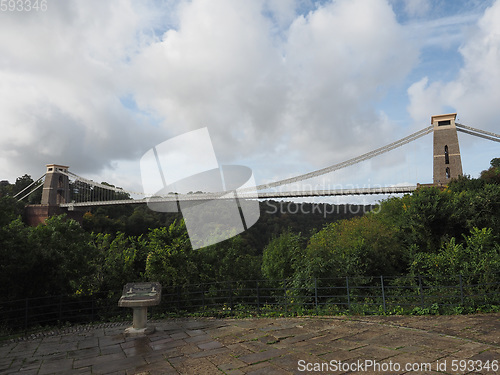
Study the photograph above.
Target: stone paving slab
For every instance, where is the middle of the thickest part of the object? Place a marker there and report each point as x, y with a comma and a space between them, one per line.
305, 345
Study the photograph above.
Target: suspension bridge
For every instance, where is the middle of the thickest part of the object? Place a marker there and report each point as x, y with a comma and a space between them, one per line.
70, 191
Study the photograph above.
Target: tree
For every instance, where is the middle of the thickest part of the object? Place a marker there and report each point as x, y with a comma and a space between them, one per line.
282, 256
141, 221
10, 209
495, 163
66, 259
123, 259
360, 246
477, 259
422, 219
476, 208
5, 188
51, 259
23, 182
169, 259
229, 260
18, 268
492, 174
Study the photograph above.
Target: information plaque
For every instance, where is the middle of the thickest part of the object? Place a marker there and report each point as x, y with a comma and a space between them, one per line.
140, 294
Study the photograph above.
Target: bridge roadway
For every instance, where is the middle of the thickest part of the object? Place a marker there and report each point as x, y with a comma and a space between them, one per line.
250, 195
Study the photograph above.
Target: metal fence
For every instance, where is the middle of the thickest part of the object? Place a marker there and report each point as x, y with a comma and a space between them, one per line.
30, 314
377, 294
356, 294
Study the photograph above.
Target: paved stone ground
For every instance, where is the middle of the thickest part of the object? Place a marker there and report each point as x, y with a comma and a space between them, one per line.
268, 346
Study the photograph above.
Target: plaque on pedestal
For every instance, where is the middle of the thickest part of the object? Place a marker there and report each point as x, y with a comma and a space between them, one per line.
139, 296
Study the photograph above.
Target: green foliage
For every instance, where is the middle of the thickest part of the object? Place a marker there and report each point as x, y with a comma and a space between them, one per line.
123, 259
172, 261
282, 256
10, 209
66, 259
422, 219
492, 175
495, 163
478, 259
169, 258
476, 208
19, 261
430, 217
434, 309
360, 246
101, 224
23, 182
141, 221
133, 220
55, 258
466, 183
231, 259
433, 232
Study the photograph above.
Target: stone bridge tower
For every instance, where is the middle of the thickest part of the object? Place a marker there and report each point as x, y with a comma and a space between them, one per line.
55, 191
447, 162
56, 186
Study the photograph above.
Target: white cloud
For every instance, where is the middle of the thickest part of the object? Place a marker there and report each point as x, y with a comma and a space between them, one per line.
475, 92
220, 69
417, 7
59, 91
269, 84
339, 58
303, 93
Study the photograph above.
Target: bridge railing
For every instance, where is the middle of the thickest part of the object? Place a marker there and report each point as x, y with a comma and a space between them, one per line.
353, 294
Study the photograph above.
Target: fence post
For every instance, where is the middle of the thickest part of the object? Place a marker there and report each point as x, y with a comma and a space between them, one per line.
348, 292
178, 298
421, 290
60, 307
203, 297
461, 289
26, 315
315, 293
230, 297
383, 292
258, 297
284, 295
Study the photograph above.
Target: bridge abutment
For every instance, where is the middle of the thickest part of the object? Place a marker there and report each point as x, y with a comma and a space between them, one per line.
35, 214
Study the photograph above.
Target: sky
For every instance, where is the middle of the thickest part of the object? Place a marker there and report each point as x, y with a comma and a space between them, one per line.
284, 87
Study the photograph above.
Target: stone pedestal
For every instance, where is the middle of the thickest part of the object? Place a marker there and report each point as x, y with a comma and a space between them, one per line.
139, 322
139, 296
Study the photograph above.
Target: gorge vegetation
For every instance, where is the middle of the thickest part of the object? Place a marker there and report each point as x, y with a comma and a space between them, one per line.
455, 230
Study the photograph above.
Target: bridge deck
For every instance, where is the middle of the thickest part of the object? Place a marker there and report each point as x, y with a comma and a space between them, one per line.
251, 195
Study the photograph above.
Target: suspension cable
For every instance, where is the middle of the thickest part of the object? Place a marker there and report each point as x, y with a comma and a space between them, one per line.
27, 187
32, 191
347, 163
96, 184
319, 172
478, 132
